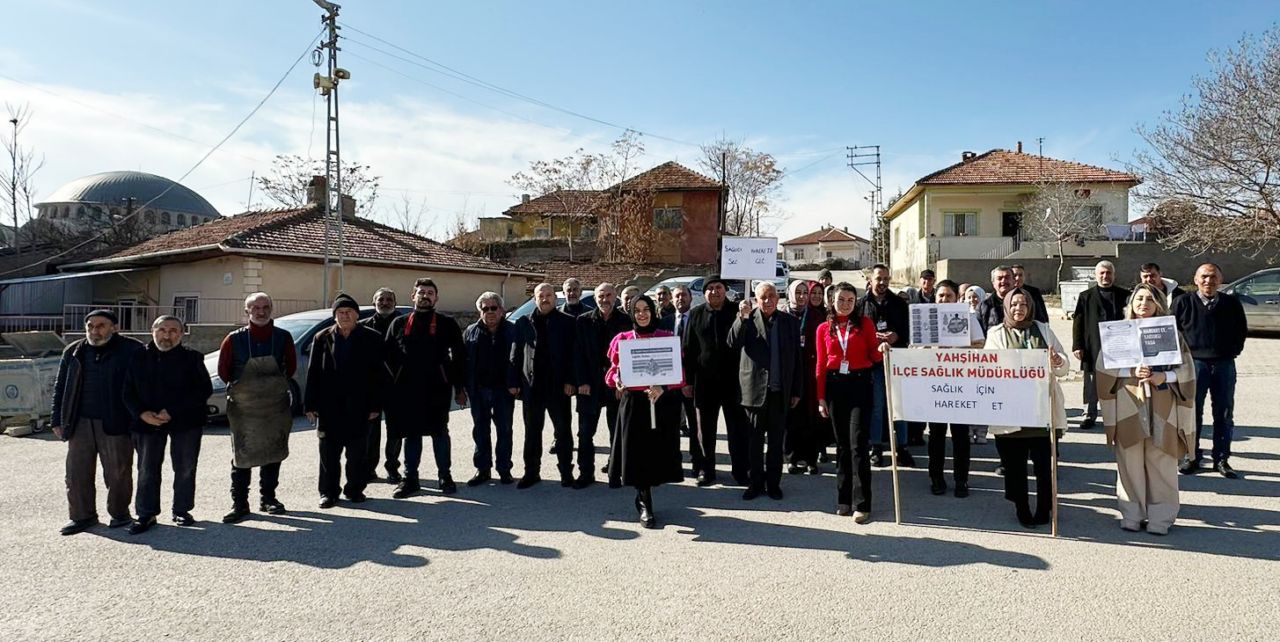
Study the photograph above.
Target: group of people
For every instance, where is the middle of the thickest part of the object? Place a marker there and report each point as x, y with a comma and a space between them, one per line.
790, 380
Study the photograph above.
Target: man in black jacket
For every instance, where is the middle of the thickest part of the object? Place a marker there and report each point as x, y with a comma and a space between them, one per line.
991, 310
428, 367
544, 376
1019, 275
925, 293
772, 377
488, 343
166, 391
1214, 325
89, 414
711, 369
1102, 302
345, 381
889, 313
595, 330
384, 308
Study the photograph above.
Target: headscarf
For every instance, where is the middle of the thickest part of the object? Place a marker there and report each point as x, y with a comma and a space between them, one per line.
653, 317
791, 294
982, 295
1156, 295
816, 298
1031, 310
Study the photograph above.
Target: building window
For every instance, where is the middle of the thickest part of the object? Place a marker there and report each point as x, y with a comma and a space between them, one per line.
1093, 214
80, 212
797, 254
828, 254
668, 218
187, 308
182, 220
164, 218
150, 217
542, 233
959, 223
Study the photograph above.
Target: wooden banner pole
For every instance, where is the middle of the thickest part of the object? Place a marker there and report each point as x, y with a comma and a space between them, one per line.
893, 439
1053, 449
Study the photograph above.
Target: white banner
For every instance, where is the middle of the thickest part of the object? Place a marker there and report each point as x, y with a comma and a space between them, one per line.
744, 257
1136, 342
977, 387
940, 324
650, 362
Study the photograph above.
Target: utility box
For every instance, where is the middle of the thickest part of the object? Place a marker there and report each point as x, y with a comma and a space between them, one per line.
26, 382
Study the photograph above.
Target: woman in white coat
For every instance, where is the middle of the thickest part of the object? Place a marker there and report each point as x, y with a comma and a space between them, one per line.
1016, 443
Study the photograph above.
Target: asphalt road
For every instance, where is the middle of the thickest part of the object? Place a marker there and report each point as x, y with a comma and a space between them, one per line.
552, 563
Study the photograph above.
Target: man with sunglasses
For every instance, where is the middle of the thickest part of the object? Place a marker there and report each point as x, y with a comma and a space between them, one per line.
488, 348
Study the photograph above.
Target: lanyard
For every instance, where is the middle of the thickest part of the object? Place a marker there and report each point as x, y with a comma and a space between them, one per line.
843, 338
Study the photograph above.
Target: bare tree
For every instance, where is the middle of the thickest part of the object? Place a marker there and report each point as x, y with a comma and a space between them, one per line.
1212, 169
18, 174
1061, 212
753, 179
286, 182
412, 216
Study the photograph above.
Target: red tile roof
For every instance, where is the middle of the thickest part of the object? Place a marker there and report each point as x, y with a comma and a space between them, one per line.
669, 176
828, 234
300, 231
1000, 166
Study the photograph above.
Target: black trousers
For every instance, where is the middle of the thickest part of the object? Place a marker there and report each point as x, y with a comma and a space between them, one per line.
268, 480
184, 452
536, 409
959, 450
709, 404
589, 410
1014, 452
849, 405
332, 445
375, 452
768, 427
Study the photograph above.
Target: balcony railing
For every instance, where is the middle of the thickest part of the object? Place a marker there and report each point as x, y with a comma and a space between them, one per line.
31, 323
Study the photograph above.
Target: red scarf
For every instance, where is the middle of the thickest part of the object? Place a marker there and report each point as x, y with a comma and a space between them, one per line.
408, 325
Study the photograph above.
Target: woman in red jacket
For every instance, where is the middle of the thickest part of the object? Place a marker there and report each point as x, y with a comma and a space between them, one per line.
847, 351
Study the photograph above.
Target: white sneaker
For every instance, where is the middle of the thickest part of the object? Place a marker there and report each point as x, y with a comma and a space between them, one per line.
860, 517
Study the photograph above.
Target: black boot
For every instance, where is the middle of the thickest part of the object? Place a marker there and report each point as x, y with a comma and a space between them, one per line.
644, 504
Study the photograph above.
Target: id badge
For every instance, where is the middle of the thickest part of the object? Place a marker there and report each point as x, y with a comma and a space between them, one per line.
802, 341
881, 326
844, 367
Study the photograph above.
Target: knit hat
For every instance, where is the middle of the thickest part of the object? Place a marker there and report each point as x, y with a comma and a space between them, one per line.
345, 301
714, 278
106, 314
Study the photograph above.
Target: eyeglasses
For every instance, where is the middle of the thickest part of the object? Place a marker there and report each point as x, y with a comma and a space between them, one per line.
489, 308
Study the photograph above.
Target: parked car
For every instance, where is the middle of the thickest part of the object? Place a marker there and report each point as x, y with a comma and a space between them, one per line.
694, 283
302, 326
1259, 295
526, 308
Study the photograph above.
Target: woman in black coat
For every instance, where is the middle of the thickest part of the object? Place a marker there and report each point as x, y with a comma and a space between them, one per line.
646, 452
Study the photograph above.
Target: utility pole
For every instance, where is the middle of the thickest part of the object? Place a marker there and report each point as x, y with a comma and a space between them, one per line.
328, 87
720, 215
13, 185
865, 156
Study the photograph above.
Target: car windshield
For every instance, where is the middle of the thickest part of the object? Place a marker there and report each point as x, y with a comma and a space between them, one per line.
297, 327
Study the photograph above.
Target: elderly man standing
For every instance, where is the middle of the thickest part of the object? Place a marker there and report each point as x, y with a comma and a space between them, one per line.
666, 305
345, 381
89, 414
488, 345
629, 296
678, 324
925, 293
428, 366
544, 377
384, 308
772, 381
991, 310
595, 330
257, 361
711, 370
1215, 327
167, 392
573, 305
1019, 274
1102, 302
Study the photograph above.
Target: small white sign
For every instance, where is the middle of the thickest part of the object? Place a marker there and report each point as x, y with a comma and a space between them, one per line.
650, 362
940, 324
745, 257
1131, 343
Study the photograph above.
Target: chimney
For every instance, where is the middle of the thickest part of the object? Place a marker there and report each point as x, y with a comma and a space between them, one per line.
317, 193
967, 156
348, 208
846, 229
1019, 147
524, 199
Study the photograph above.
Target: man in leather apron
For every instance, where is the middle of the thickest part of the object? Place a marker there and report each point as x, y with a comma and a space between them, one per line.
257, 363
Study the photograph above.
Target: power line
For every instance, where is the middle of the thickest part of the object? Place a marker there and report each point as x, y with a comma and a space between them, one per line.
193, 168
446, 70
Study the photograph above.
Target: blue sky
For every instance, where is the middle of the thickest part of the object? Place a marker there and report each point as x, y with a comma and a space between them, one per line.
131, 85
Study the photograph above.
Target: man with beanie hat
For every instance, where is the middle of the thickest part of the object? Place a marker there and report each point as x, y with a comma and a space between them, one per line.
345, 380
89, 414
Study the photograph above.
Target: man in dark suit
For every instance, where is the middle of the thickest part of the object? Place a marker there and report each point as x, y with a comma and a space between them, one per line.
595, 331
544, 376
384, 312
711, 370
1019, 274
678, 323
772, 382
1102, 302
346, 378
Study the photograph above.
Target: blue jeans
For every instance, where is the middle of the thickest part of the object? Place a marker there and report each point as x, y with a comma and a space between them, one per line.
1217, 378
413, 454
880, 412
496, 406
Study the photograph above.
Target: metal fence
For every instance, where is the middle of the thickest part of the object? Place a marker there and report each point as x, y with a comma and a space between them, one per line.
138, 318
31, 323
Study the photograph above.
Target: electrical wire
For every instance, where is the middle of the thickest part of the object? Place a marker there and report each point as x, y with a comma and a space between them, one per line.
193, 168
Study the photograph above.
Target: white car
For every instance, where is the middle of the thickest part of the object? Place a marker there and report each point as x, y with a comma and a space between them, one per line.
696, 285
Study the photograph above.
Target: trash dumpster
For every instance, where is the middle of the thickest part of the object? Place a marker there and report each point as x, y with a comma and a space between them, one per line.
26, 382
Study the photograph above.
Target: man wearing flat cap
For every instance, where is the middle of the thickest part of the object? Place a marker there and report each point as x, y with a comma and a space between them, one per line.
345, 380
89, 414
257, 361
